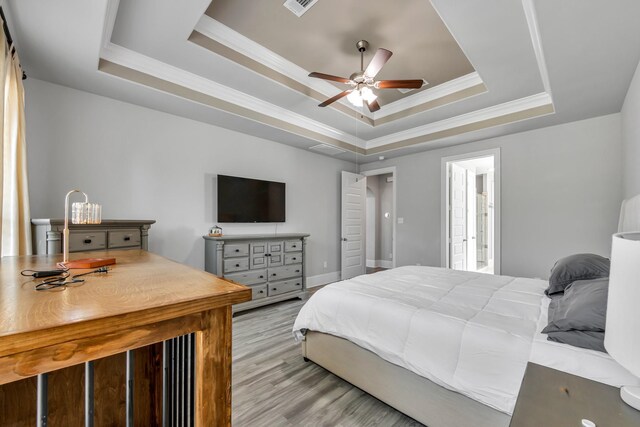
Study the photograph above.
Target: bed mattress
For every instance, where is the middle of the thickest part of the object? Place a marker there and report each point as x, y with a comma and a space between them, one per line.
469, 332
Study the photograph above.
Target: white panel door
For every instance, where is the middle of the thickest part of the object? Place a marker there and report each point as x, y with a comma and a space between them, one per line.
472, 264
458, 218
354, 196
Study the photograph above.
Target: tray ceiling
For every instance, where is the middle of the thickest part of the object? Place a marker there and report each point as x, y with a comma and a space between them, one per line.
493, 67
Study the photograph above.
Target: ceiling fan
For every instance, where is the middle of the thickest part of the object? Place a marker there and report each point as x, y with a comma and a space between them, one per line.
362, 81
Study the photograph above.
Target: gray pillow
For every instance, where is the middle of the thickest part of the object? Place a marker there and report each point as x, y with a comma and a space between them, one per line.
591, 340
576, 267
583, 307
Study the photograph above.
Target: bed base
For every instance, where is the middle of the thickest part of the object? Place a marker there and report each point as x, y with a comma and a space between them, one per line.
409, 393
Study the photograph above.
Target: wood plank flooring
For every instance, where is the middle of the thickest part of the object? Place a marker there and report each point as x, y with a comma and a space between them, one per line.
273, 386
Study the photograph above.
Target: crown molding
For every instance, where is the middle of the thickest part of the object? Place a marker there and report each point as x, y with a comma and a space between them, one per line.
230, 38
431, 94
219, 32
136, 61
536, 41
492, 112
110, 14
222, 34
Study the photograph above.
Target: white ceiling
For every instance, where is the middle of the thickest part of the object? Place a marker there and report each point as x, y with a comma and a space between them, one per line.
574, 56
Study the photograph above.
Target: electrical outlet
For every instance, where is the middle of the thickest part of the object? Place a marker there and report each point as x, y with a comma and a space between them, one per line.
324, 264
400, 220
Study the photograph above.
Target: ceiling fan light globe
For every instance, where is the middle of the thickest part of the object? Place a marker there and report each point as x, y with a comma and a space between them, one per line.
367, 94
355, 98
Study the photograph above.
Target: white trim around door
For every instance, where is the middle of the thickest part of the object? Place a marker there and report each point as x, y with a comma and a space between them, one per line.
444, 203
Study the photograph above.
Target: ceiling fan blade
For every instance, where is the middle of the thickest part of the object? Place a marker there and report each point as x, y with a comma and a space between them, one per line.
373, 106
399, 84
329, 77
335, 98
379, 59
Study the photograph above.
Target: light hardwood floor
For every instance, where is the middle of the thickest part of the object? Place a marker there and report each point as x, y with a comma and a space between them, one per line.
273, 386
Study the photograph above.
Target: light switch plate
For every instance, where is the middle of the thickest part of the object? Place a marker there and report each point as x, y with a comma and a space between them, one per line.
400, 220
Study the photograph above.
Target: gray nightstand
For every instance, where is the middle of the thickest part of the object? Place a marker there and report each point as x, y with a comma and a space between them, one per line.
552, 398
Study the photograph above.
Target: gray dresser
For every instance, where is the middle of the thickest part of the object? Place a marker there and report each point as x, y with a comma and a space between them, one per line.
272, 265
110, 234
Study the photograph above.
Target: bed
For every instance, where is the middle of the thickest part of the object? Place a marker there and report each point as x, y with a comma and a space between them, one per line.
448, 348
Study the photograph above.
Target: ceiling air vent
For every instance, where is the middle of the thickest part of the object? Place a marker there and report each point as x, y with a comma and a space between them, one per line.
299, 7
327, 149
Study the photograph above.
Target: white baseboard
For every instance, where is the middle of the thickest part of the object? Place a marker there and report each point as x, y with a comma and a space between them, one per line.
323, 279
379, 263
385, 263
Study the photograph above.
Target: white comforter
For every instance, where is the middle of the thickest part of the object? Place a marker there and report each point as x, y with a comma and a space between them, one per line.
468, 332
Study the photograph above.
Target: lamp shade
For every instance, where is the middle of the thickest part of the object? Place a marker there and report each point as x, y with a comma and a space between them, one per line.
622, 335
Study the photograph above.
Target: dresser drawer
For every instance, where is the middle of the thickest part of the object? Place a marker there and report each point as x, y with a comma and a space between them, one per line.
236, 249
292, 258
258, 291
285, 272
79, 241
235, 264
123, 238
292, 245
284, 286
251, 277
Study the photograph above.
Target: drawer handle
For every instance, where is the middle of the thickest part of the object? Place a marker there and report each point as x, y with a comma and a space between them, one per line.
237, 250
261, 292
297, 284
237, 265
274, 274
275, 289
294, 246
87, 241
294, 258
261, 277
127, 238
297, 271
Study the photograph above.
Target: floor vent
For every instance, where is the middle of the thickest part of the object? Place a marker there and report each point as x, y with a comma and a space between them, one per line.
299, 7
327, 149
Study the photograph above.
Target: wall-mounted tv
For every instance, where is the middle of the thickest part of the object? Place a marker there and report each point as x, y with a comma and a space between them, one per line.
250, 200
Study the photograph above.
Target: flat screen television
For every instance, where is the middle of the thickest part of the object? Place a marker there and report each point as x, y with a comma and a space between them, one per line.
250, 200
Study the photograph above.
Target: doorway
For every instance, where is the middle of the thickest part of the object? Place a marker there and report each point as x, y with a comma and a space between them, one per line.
471, 212
368, 222
379, 222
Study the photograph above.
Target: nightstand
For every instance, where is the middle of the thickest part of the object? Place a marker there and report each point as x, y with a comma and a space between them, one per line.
552, 398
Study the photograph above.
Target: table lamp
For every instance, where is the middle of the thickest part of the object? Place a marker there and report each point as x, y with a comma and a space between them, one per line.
622, 335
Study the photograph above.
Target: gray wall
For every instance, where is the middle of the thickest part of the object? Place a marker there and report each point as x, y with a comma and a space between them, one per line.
631, 137
561, 194
144, 164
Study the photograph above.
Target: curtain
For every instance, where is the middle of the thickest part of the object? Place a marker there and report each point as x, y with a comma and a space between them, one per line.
15, 224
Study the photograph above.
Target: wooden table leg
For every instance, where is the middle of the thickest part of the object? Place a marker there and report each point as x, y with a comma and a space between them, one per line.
213, 369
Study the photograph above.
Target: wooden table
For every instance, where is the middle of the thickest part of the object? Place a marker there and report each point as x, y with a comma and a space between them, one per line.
553, 398
143, 300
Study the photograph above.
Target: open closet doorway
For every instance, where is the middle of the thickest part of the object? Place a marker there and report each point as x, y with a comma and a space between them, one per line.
471, 212
380, 220
368, 222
